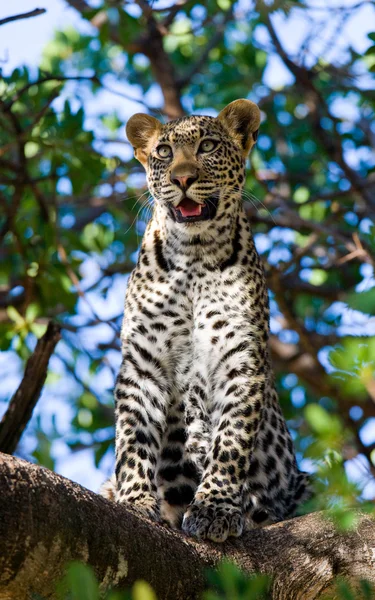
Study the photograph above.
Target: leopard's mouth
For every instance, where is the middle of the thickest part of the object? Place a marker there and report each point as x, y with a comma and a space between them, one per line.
189, 211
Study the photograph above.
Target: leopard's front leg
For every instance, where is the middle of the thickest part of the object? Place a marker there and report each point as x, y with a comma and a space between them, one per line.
141, 399
217, 510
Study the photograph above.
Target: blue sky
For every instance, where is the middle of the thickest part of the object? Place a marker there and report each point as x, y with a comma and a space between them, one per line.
35, 33
22, 42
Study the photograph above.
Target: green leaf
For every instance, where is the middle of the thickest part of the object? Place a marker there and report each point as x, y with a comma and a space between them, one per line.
319, 419
344, 591
301, 195
101, 451
15, 316
318, 277
143, 591
42, 453
363, 301
112, 122
224, 4
345, 520
81, 582
38, 329
32, 312
367, 587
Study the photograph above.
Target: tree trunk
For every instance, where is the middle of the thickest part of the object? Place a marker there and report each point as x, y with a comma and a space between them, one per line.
47, 521
27, 395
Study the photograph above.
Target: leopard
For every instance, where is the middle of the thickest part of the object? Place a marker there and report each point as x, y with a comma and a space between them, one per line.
201, 441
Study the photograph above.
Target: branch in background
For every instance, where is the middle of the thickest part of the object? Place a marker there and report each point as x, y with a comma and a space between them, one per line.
310, 555
66, 78
173, 10
151, 45
49, 77
318, 109
213, 43
24, 400
162, 67
290, 358
81, 5
33, 13
291, 220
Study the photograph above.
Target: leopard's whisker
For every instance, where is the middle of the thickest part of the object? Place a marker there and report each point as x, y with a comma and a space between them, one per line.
144, 204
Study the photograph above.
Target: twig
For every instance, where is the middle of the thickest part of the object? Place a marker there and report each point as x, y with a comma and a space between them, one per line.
318, 107
58, 78
76, 283
213, 43
33, 13
332, 9
24, 400
173, 10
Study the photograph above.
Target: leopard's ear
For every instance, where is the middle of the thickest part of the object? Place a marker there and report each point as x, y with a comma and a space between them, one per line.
241, 119
142, 130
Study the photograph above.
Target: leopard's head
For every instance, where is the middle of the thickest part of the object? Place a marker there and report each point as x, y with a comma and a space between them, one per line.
195, 165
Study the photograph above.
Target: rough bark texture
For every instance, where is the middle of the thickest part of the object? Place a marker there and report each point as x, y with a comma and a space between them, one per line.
24, 400
46, 521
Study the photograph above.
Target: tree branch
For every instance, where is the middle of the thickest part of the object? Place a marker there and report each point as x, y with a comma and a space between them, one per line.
123, 546
33, 13
318, 107
151, 45
173, 10
24, 400
213, 43
81, 5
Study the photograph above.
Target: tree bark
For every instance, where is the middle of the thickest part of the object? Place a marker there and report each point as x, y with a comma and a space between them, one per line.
47, 521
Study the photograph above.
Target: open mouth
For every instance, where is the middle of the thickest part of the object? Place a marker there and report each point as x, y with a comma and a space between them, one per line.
189, 211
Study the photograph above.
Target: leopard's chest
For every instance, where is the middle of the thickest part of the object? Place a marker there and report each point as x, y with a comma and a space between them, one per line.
190, 295
190, 316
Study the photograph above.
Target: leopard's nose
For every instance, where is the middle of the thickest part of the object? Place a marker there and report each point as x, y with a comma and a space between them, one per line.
183, 181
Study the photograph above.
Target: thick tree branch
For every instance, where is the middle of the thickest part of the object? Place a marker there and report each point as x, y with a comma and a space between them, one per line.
48, 521
24, 400
33, 13
151, 45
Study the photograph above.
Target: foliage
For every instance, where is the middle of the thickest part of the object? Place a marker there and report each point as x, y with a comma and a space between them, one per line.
227, 582
71, 217
80, 583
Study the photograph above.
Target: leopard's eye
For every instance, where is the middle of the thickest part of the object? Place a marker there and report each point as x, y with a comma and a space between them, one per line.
164, 151
208, 145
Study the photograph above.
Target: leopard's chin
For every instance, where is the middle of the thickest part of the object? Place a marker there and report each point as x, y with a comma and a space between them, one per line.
189, 211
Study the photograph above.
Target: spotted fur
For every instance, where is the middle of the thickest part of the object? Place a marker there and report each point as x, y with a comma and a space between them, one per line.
201, 442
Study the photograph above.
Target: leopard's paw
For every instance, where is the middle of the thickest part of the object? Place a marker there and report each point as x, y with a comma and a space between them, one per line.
147, 506
213, 522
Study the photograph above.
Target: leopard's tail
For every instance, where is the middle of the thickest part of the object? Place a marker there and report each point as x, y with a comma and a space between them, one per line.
108, 489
